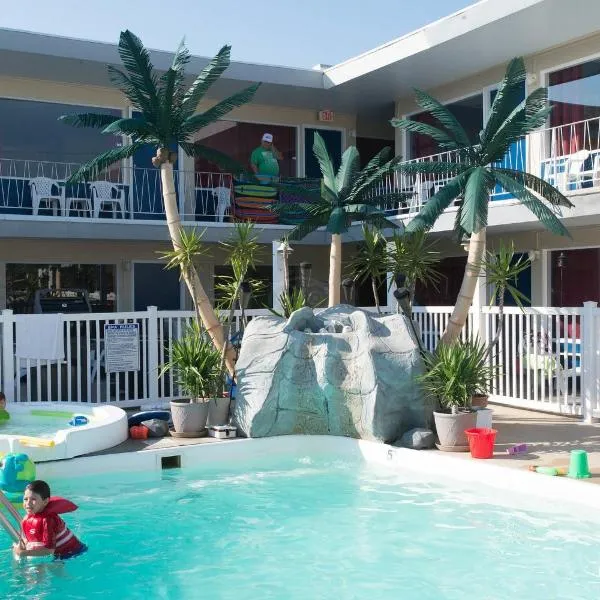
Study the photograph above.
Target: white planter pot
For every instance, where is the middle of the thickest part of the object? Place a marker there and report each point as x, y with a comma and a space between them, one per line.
451, 429
218, 411
189, 417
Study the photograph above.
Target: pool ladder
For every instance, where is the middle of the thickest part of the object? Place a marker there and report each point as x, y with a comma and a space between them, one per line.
14, 530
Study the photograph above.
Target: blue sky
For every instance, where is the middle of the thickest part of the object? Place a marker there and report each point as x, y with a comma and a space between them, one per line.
298, 33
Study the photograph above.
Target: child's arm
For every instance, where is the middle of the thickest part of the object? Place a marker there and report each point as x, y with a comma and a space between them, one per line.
21, 550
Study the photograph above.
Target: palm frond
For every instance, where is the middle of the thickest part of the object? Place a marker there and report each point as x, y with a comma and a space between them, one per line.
348, 168
474, 210
363, 187
219, 110
379, 160
437, 204
441, 137
135, 94
443, 115
509, 95
338, 221
431, 168
534, 204
538, 186
216, 157
308, 226
325, 162
94, 167
172, 81
136, 127
529, 115
136, 60
380, 221
209, 75
93, 120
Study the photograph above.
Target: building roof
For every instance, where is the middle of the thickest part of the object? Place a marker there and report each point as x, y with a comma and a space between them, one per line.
433, 55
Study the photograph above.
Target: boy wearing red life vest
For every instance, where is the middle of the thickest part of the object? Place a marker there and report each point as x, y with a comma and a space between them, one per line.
44, 532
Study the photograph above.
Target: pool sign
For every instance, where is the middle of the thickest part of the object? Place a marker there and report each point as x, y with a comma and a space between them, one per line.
122, 347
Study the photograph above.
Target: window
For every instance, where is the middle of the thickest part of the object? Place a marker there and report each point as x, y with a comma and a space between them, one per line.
30, 131
23, 280
238, 140
469, 113
575, 93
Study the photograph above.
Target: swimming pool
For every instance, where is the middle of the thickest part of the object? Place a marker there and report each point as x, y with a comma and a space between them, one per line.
43, 432
308, 524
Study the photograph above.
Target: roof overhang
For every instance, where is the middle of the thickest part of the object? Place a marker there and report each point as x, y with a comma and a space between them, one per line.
444, 51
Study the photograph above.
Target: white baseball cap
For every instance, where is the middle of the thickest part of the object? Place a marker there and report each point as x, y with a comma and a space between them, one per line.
267, 137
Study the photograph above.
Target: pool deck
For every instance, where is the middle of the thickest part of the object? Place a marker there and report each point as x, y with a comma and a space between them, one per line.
550, 439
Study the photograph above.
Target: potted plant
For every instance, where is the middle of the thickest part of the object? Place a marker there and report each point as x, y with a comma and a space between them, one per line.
196, 367
454, 373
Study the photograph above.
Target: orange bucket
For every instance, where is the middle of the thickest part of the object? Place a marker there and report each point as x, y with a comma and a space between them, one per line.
481, 442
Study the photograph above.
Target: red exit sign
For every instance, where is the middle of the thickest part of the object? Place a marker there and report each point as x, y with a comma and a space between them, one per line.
326, 115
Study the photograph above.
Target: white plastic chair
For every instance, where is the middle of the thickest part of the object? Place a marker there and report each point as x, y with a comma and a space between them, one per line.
573, 171
104, 192
42, 190
223, 195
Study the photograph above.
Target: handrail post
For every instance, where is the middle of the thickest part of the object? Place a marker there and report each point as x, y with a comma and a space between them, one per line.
153, 355
8, 355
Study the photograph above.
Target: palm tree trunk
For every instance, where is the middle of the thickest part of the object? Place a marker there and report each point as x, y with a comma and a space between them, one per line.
375, 294
467, 289
335, 269
204, 310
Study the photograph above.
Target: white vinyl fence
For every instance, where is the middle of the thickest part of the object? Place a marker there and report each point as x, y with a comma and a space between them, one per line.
546, 358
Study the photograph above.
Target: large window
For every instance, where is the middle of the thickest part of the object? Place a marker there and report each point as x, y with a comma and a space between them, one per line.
575, 95
469, 113
30, 131
238, 140
23, 280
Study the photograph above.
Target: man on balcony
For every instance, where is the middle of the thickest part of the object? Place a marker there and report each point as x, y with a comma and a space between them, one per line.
264, 160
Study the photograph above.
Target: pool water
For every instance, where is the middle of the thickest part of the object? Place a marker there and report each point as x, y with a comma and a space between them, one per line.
306, 528
23, 424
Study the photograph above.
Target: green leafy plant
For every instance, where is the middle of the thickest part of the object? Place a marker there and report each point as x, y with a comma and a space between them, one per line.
475, 172
166, 118
290, 302
455, 372
195, 364
414, 256
502, 270
370, 261
347, 196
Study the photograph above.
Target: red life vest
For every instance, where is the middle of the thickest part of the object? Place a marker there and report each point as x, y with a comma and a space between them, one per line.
47, 530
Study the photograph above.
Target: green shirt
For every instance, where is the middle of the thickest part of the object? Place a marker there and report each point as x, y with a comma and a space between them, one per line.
4, 416
265, 161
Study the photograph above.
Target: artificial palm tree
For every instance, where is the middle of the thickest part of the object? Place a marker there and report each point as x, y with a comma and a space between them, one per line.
476, 171
347, 196
167, 116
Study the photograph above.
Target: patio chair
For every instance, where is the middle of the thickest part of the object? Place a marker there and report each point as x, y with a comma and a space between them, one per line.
49, 191
223, 195
105, 192
573, 173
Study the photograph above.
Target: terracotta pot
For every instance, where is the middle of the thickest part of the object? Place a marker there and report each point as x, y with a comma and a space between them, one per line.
188, 416
218, 411
451, 430
479, 400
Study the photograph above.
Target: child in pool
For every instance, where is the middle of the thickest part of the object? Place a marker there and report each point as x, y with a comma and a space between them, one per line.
44, 532
4, 416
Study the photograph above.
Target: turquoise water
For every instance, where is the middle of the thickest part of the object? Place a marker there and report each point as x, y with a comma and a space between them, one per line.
307, 528
20, 424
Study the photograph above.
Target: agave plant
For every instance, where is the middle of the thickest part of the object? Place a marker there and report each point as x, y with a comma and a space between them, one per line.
455, 372
477, 170
290, 302
347, 196
167, 115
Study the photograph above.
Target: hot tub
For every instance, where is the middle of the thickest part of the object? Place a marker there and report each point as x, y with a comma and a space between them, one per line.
44, 434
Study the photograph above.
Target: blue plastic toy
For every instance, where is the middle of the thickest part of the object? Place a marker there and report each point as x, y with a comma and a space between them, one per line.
16, 472
78, 420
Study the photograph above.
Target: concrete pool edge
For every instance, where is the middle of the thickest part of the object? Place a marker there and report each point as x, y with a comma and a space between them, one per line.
107, 428
422, 462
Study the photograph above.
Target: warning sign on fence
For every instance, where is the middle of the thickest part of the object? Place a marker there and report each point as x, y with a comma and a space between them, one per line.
122, 347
